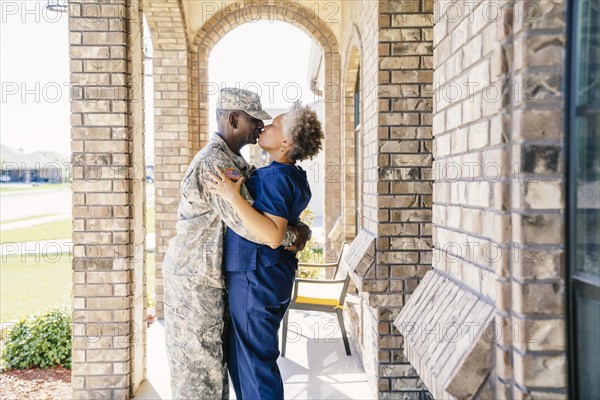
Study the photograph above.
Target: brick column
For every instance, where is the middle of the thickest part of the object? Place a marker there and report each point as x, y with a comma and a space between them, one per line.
173, 145
539, 366
498, 200
393, 41
404, 184
108, 198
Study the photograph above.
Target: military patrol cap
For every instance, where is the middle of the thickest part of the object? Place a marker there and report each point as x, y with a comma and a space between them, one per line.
240, 99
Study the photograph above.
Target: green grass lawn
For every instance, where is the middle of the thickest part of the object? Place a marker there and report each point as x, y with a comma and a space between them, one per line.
150, 218
56, 230
31, 285
61, 229
150, 280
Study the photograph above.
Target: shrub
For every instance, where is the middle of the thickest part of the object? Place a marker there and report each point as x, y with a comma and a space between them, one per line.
150, 300
40, 340
312, 252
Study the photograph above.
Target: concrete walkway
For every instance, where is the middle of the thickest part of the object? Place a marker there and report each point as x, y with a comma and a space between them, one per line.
49, 202
312, 369
33, 221
28, 204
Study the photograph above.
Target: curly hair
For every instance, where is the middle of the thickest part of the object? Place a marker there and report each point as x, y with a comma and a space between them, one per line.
303, 129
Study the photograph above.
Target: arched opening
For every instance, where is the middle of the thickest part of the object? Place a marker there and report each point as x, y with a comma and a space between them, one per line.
277, 71
182, 118
150, 208
238, 14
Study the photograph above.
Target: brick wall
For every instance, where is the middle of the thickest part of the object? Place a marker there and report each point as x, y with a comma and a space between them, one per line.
404, 181
396, 76
497, 123
359, 35
108, 198
471, 167
498, 196
539, 366
471, 126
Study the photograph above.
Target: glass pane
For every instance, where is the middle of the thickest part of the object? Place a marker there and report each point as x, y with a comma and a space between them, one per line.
358, 154
588, 347
585, 142
357, 100
586, 136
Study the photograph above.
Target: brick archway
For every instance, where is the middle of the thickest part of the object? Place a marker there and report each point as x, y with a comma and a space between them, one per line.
303, 18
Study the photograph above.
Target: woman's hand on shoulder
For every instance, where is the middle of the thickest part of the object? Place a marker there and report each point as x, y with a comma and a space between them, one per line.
221, 185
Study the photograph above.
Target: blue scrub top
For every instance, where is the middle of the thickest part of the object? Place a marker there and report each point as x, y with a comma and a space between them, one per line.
278, 189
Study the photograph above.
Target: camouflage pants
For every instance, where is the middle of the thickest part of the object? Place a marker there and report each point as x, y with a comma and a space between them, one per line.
195, 328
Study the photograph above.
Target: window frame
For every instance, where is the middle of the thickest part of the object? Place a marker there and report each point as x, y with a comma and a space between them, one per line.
575, 282
358, 155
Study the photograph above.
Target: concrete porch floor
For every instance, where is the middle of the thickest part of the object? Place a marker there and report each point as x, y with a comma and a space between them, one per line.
315, 367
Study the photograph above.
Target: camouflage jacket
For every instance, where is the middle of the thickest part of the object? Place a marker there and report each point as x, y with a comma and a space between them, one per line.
197, 248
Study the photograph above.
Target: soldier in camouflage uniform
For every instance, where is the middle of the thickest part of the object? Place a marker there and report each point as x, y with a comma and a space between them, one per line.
196, 311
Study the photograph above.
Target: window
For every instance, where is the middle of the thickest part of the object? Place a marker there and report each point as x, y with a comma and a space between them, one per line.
358, 155
357, 101
583, 238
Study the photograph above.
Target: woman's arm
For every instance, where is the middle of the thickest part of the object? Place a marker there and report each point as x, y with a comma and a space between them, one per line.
267, 228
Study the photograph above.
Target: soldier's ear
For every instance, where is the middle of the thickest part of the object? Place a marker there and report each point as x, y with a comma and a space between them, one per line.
233, 120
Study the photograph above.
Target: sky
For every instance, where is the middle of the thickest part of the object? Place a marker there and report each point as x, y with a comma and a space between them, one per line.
34, 74
268, 57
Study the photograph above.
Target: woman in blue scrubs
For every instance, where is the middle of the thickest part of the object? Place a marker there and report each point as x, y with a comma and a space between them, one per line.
260, 277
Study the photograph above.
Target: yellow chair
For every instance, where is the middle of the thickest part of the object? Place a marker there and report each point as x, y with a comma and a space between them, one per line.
327, 295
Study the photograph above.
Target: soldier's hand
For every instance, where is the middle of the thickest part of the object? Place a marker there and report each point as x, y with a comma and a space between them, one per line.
303, 235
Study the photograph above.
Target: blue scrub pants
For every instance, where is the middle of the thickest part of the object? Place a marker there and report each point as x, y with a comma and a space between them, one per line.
258, 300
